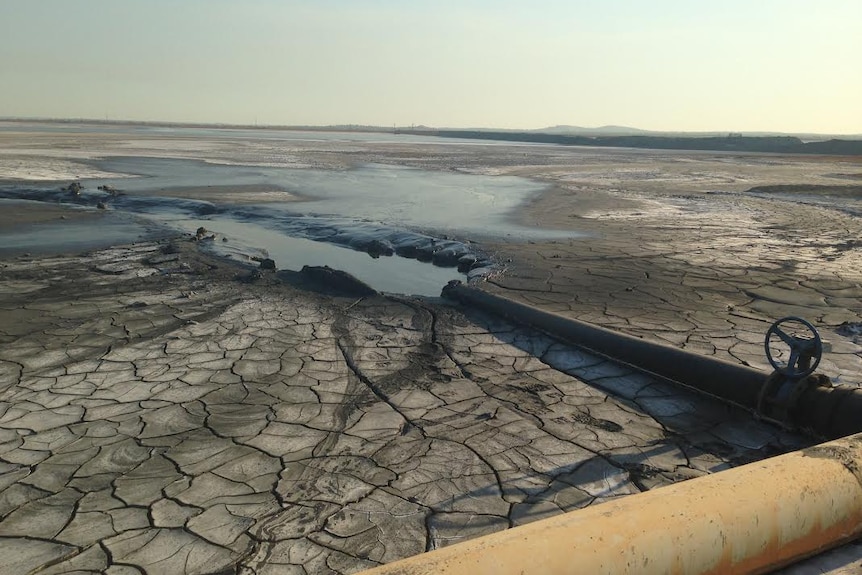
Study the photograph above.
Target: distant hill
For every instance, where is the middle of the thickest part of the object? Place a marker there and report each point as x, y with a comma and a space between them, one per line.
600, 131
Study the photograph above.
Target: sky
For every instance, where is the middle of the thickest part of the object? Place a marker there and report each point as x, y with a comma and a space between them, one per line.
676, 65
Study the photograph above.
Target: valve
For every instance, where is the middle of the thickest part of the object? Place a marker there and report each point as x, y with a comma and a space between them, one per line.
804, 352
796, 340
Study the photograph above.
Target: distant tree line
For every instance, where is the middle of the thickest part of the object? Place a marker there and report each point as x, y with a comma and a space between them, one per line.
731, 143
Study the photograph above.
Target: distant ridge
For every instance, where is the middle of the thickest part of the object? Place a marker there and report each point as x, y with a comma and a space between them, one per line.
600, 131
605, 136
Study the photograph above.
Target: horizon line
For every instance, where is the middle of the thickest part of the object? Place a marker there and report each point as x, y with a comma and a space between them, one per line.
413, 127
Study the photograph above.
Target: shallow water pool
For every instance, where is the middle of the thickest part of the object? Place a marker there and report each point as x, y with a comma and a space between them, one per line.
341, 215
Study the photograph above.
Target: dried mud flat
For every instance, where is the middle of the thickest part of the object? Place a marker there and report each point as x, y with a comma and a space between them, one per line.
158, 415
704, 269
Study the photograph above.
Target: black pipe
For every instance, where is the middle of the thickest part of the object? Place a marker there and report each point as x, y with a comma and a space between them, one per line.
827, 412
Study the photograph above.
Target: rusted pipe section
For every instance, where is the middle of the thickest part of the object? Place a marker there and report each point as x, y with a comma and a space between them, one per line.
828, 412
750, 519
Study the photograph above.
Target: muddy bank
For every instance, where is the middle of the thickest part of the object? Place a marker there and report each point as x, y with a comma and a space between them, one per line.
15, 213
40, 228
249, 194
374, 238
814, 190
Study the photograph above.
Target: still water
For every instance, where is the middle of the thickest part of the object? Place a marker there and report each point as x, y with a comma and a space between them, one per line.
392, 195
328, 217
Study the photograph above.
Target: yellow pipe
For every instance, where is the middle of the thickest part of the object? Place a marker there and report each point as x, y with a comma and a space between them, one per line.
750, 519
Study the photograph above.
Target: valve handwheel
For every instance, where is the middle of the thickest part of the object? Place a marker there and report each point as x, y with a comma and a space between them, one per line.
804, 353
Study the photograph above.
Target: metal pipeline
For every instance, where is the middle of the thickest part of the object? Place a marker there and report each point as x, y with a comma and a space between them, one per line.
827, 412
750, 519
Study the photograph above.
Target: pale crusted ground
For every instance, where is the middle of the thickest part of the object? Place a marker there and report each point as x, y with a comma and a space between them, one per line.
707, 278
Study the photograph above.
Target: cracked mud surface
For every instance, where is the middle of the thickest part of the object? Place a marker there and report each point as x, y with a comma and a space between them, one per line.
679, 249
718, 295
690, 258
157, 416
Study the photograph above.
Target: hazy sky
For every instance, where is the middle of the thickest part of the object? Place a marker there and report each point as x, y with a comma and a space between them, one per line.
780, 65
